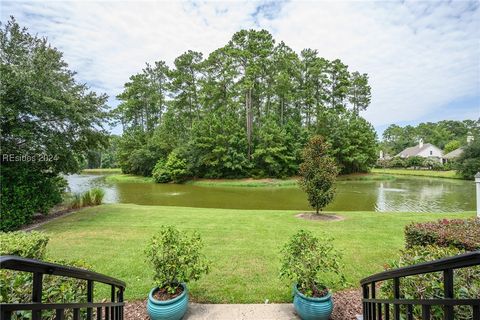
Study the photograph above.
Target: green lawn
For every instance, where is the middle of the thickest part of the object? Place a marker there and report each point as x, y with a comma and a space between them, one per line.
243, 245
451, 174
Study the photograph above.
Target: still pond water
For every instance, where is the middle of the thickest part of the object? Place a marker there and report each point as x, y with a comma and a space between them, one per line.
404, 194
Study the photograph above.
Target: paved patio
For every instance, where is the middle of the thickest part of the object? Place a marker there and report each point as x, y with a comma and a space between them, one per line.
277, 311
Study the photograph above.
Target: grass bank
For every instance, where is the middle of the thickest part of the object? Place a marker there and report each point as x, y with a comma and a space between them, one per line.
102, 170
127, 178
451, 174
243, 245
290, 182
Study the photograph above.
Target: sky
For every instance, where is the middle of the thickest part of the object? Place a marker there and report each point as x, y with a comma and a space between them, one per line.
422, 57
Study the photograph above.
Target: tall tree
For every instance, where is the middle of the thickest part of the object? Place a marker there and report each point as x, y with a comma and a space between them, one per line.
49, 122
359, 94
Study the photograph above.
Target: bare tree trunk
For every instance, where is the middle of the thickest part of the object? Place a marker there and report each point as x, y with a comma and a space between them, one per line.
249, 115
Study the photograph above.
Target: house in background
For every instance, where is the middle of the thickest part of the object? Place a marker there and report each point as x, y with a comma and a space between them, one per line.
425, 150
457, 152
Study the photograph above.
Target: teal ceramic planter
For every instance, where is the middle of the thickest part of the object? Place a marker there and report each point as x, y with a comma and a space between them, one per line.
312, 308
173, 309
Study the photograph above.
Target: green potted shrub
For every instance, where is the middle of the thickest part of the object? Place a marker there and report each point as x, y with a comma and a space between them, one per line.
311, 263
176, 259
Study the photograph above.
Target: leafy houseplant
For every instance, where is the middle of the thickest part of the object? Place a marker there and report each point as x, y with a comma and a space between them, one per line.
176, 259
309, 262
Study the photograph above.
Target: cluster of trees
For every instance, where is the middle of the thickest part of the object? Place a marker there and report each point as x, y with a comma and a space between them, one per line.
246, 109
447, 135
48, 122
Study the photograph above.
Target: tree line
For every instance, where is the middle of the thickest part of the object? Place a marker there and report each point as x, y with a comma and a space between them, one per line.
448, 135
246, 109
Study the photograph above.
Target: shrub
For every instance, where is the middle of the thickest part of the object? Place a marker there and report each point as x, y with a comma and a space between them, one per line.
318, 173
460, 233
160, 173
97, 195
175, 257
308, 261
87, 199
25, 191
415, 161
173, 169
397, 162
433, 164
16, 286
28, 245
468, 164
430, 285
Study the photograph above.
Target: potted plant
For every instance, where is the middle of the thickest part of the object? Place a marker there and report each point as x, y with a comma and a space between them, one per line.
310, 262
176, 259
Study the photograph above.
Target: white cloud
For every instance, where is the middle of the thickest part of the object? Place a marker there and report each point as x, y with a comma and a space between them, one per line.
420, 56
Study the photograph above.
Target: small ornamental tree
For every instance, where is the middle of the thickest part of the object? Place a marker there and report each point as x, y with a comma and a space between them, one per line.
318, 173
176, 257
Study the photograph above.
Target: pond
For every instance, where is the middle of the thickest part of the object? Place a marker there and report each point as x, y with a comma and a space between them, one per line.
402, 194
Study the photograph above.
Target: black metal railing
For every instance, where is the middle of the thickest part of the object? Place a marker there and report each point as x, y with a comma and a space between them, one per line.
374, 308
112, 310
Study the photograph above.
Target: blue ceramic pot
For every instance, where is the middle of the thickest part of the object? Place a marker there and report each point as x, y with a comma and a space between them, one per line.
173, 309
312, 308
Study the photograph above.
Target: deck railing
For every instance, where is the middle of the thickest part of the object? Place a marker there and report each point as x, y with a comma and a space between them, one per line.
112, 310
374, 308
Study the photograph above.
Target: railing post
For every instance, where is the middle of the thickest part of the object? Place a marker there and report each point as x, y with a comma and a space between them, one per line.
59, 314
425, 312
37, 294
396, 295
112, 309
448, 292
365, 296
89, 298
373, 295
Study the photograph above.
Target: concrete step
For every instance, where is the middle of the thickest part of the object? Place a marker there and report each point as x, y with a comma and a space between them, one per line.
274, 311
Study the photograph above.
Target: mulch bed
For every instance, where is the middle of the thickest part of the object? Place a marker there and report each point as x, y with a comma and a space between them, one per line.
319, 217
40, 219
347, 304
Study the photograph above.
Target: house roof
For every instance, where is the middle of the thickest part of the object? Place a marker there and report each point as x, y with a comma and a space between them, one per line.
415, 150
454, 154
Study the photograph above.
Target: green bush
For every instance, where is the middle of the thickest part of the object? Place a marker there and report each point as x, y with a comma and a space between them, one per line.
97, 195
28, 245
397, 162
175, 257
468, 164
16, 287
415, 161
460, 233
308, 261
160, 173
173, 169
25, 191
433, 164
430, 285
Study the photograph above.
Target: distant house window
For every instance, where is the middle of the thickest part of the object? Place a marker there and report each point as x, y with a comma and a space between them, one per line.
431, 152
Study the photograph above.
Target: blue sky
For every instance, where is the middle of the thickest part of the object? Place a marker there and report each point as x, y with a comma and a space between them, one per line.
423, 58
